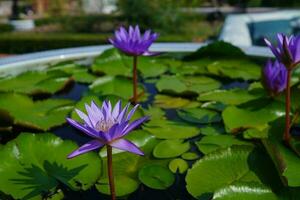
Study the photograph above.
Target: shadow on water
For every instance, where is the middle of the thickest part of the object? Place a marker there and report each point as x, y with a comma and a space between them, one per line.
38, 181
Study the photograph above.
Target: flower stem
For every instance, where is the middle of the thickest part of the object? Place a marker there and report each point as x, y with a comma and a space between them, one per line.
110, 172
135, 81
287, 136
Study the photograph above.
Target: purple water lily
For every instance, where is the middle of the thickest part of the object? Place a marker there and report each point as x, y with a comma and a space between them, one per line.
107, 126
132, 42
287, 50
274, 77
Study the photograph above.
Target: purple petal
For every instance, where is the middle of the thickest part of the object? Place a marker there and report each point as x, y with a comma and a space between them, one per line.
92, 115
130, 114
90, 132
273, 49
121, 117
135, 124
84, 117
126, 145
90, 146
117, 109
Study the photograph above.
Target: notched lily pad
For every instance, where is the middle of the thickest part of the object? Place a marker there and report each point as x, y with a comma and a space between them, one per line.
199, 115
35, 165
186, 84
119, 86
36, 82
156, 177
178, 165
40, 115
170, 148
165, 129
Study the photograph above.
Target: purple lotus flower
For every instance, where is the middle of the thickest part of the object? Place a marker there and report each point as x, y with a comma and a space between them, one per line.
274, 77
132, 42
287, 50
107, 126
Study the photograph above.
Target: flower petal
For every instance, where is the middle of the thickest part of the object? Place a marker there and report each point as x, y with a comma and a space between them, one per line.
84, 117
130, 114
126, 145
135, 124
90, 146
89, 131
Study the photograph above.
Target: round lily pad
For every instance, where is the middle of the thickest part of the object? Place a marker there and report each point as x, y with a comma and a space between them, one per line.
199, 115
165, 129
36, 82
123, 185
178, 165
189, 156
168, 102
119, 86
170, 148
40, 115
156, 176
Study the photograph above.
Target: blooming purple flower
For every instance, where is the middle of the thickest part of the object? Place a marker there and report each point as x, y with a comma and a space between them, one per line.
274, 77
287, 50
132, 42
107, 126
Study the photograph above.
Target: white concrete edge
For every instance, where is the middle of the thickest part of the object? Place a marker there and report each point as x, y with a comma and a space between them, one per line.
235, 29
16, 64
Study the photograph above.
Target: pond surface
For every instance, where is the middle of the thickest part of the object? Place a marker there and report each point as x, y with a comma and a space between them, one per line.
214, 132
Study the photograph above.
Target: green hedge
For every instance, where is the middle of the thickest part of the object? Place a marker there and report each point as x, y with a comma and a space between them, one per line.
18, 43
6, 28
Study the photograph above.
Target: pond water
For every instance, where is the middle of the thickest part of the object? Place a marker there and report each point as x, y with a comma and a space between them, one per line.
210, 120
268, 29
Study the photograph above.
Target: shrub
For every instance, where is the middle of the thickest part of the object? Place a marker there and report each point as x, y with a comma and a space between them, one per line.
6, 28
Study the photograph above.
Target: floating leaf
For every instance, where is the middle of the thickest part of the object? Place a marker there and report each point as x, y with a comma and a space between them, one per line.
219, 169
236, 119
211, 143
78, 72
150, 67
123, 185
36, 82
213, 130
156, 177
244, 191
170, 148
34, 165
41, 115
112, 62
178, 165
119, 86
165, 129
186, 84
189, 156
164, 101
192, 68
229, 97
199, 115
285, 159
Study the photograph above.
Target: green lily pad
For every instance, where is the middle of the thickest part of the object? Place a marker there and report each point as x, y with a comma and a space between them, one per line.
219, 169
164, 129
154, 112
156, 177
285, 159
186, 84
41, 115
189, 156
150, 67
179, 165
211, 143
123, 185
235, 69
119, 86
36, 82
244, 191
229, 97
215, 129
192, 68
34, 165
237, 119
112, 62
78, 72
199, 115
164, 101
170, 148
